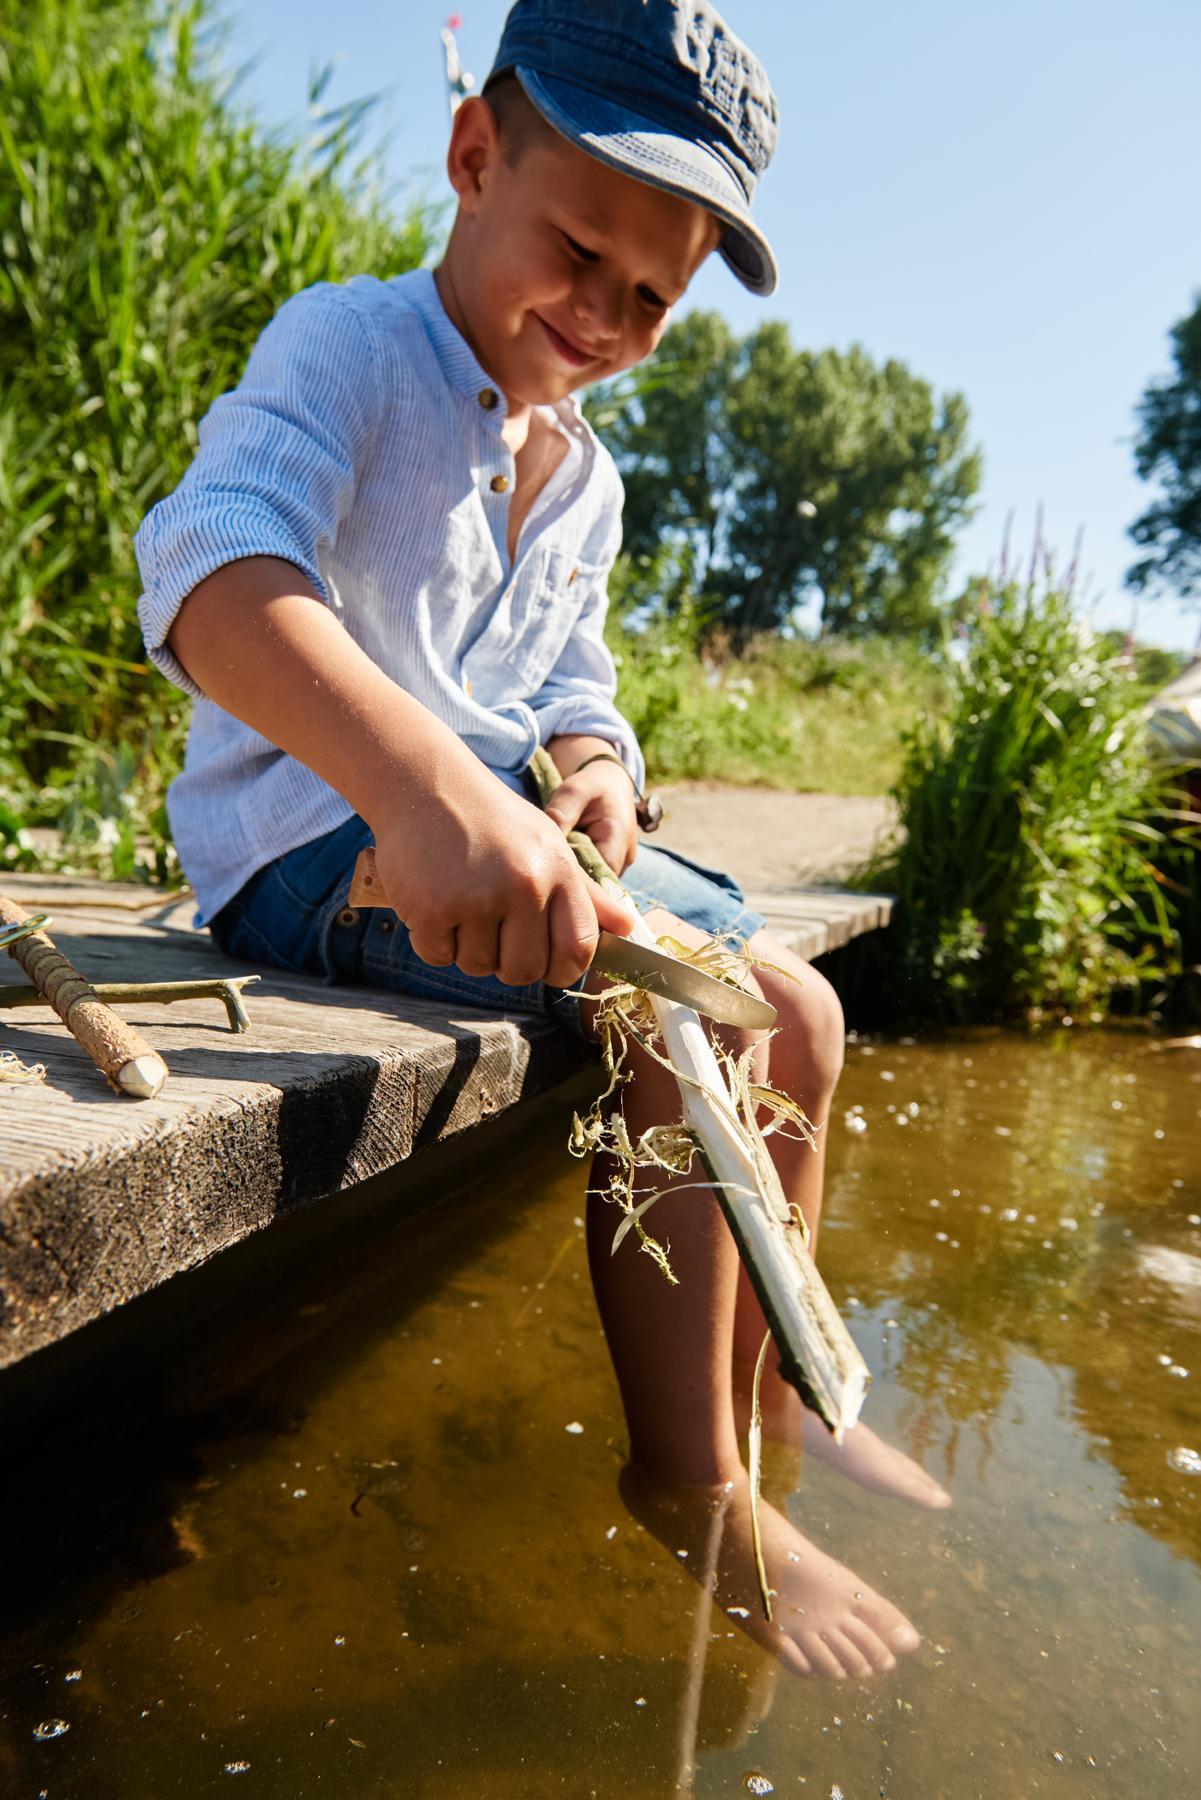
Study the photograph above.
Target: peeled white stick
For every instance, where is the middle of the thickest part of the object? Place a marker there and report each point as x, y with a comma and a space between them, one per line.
817, 1353
116, 1048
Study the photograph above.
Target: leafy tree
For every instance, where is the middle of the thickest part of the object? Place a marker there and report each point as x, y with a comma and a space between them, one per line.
672, 443
1168, 450
794, 473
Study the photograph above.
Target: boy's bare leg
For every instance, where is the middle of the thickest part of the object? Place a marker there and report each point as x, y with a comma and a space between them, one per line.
806, 1061
671, 1346
672, 1349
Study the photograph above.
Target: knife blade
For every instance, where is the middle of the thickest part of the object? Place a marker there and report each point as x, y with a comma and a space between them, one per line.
656, 971
659, 972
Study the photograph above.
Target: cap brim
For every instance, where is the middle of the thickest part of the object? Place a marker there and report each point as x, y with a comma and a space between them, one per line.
638, 147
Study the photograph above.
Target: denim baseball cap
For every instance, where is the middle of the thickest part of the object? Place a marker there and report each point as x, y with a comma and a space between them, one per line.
663, 91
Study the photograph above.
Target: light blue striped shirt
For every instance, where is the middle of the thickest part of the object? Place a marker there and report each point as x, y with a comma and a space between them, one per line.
364, 445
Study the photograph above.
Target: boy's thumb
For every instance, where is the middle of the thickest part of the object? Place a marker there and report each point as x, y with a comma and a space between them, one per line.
613, 911
564, 811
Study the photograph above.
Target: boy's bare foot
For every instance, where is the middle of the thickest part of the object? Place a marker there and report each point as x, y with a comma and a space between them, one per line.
874, 1464
827, 1621
864, 1456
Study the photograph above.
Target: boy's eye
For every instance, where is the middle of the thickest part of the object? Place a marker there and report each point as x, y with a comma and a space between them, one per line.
581, 252
649, 298
578, 249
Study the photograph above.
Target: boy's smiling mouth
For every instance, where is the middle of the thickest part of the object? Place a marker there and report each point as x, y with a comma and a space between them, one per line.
570, 353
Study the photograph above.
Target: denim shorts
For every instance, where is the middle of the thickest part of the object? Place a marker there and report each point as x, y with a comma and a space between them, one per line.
294, 914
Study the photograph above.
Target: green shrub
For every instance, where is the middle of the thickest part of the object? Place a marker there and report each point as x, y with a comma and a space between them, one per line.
786, 712
1026, 867
147, 233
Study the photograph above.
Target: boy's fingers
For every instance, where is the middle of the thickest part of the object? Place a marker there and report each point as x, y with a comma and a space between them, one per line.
564, 808
573, 931
476, 947
434, 944
612, 912
610, 839
524, 949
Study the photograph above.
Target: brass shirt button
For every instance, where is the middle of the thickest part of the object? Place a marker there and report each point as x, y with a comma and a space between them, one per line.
488, 398
499, 484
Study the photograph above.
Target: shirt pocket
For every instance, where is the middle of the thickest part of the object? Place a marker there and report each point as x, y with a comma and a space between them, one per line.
545, 606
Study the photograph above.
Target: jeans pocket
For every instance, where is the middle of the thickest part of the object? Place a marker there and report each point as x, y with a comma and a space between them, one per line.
312, 874
251, 928
288, 912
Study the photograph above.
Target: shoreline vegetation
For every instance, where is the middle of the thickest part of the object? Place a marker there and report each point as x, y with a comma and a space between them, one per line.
1045, 863
149, 231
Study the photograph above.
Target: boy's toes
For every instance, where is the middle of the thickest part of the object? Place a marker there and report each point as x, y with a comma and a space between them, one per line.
855, 1664
880, 1658
885, 1623
819, 1657
868, 1459
793, 1658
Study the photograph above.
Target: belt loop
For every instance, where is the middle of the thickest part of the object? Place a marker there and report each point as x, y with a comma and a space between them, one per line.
342, 936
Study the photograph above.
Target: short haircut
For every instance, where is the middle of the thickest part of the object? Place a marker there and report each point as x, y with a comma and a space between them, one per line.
520, 124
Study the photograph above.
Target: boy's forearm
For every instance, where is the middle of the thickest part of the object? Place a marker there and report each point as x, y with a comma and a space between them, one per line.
570, 750
257, 640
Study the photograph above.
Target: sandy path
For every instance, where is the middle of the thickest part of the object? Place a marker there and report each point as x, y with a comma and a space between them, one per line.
768, 839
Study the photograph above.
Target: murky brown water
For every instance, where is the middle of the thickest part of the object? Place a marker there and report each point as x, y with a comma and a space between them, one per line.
382, 1565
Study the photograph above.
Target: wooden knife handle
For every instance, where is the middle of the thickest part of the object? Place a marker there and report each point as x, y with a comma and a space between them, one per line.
366, 888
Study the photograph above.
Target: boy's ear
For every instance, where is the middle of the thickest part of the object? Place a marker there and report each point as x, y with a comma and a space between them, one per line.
474, 153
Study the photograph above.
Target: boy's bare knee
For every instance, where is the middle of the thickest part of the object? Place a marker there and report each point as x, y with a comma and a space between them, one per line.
811, 1046
826, 1030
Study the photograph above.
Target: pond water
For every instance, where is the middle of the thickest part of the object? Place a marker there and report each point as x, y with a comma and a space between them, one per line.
381, 1558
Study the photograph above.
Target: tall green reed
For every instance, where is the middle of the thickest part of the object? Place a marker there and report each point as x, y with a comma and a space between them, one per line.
1032, 827
148, 231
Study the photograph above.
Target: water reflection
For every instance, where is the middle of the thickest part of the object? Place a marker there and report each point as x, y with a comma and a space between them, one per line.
1056, 1212
370, 1552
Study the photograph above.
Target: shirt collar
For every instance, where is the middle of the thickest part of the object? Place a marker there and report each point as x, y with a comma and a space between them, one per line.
456, 358
460, 365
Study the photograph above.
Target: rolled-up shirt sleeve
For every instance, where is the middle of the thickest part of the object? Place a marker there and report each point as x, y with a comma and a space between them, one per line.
579, 695
275, 469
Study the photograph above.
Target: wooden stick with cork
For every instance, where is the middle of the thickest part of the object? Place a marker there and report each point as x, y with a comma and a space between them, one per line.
118, 1051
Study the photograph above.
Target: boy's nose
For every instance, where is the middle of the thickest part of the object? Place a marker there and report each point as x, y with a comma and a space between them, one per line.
598, 307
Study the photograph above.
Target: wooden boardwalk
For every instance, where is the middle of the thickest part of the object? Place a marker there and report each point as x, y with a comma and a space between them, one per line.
103, 1197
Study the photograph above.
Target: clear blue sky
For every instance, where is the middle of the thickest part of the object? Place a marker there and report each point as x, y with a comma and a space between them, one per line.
1004, 197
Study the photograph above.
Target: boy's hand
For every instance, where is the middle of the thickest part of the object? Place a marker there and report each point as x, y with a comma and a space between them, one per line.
599, 800
488, 882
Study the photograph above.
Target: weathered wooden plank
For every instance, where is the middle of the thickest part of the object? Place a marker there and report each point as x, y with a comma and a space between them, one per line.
103, 1197
100, 1215
814, 921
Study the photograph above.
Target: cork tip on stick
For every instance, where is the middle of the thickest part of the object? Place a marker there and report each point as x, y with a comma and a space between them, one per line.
142, 1077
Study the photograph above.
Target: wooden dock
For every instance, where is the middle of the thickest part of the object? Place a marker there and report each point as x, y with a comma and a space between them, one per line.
103, 1198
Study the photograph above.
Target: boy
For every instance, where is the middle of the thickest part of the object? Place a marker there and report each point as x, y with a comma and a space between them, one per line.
383, 579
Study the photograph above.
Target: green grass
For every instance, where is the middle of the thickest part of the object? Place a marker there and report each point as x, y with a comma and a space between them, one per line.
787, 713
148, 231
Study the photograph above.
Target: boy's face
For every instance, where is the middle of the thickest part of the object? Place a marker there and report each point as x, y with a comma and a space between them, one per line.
563, 271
